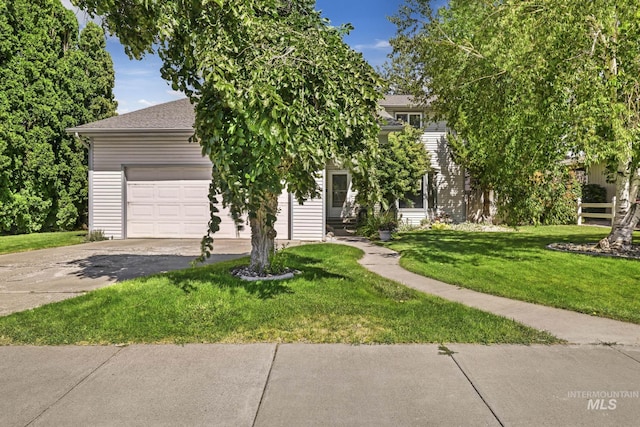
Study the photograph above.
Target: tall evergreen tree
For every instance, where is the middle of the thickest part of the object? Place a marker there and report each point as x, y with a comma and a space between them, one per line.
51, 77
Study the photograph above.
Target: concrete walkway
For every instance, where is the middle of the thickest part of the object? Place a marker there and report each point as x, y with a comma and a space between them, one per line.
319, 385
573, 327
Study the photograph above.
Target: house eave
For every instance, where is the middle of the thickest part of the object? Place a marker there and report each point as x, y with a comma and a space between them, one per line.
388, 129
89, 132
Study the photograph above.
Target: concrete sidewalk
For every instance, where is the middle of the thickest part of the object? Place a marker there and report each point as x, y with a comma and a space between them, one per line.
304, 385
571, 326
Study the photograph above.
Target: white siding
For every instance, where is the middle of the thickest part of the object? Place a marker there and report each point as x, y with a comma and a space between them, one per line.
282, 224
449, 178
598, 175
110, 153
308, 220
107, 203
412, 216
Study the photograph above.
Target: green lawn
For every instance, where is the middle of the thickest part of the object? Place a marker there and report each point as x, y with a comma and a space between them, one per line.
334, 300
29, 242
518, 265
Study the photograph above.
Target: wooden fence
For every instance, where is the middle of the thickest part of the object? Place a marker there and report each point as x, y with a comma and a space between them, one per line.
611, 206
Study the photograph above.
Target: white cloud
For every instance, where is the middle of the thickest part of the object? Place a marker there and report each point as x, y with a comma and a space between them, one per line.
137, 72
378, 45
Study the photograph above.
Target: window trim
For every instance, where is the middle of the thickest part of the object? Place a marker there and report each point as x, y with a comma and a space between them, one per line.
409, 114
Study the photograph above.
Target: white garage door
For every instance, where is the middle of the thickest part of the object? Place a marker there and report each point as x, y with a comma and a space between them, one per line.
172, 202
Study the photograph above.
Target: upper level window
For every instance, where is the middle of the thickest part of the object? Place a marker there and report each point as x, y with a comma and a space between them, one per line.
414, 119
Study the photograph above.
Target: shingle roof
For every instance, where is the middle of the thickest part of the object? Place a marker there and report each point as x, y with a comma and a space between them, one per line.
179, 116
398, 101
175, 115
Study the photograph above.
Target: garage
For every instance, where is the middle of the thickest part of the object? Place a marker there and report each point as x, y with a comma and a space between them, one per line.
166, 202
147, 180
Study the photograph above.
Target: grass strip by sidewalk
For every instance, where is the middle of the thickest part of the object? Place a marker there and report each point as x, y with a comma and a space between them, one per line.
333, 300
29, 242
518, 265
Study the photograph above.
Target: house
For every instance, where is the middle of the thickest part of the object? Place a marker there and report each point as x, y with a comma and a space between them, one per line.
147, 181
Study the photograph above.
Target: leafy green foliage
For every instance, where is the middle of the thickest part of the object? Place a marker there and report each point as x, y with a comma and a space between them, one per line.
334, 300
594, 193
522, 83
51, 77
379, 221
399, 169
548, 198
276, 90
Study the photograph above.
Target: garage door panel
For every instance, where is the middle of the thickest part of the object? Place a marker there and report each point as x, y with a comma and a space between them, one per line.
141, 228
141, 210
195, 193
140, 192
168, 192
196, 211
165, 210
168, 229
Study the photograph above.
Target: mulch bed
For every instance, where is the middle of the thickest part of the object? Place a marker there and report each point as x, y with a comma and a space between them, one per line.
591, 249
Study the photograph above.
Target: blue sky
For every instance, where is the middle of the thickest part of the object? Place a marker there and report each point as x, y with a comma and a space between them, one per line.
139, 85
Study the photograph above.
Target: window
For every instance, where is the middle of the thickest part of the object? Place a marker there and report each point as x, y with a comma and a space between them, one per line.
414, 200
432, 191
414, 119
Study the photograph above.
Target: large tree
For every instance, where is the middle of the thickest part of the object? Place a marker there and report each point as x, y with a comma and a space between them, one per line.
51, 77
276, 90
524, 83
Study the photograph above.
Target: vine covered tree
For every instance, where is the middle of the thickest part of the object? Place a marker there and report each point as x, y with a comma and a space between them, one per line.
523, 83
276, 90
51, 77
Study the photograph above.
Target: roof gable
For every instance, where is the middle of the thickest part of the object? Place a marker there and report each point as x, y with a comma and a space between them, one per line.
175, 116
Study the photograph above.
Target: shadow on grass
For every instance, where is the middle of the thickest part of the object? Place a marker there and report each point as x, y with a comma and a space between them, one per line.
220, 276
120, 267
448, 247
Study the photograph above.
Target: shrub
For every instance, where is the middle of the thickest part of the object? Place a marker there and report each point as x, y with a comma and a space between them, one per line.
95, 236
385, 221
548, 198
594, 193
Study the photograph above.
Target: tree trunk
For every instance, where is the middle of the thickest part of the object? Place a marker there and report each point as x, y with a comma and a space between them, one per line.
486, 205
627, 213
263, 234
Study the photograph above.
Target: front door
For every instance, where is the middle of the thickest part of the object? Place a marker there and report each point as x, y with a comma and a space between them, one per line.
338, 189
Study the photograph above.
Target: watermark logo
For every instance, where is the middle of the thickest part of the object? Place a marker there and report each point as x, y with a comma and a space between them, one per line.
603, 400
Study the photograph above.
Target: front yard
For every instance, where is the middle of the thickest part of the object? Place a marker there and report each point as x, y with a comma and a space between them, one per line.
29, 242
333, 300
518, 265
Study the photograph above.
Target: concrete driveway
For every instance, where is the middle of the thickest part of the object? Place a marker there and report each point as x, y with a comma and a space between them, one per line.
31, 279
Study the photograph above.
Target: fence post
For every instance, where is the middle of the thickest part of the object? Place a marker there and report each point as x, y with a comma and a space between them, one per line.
579, 211
613, 209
